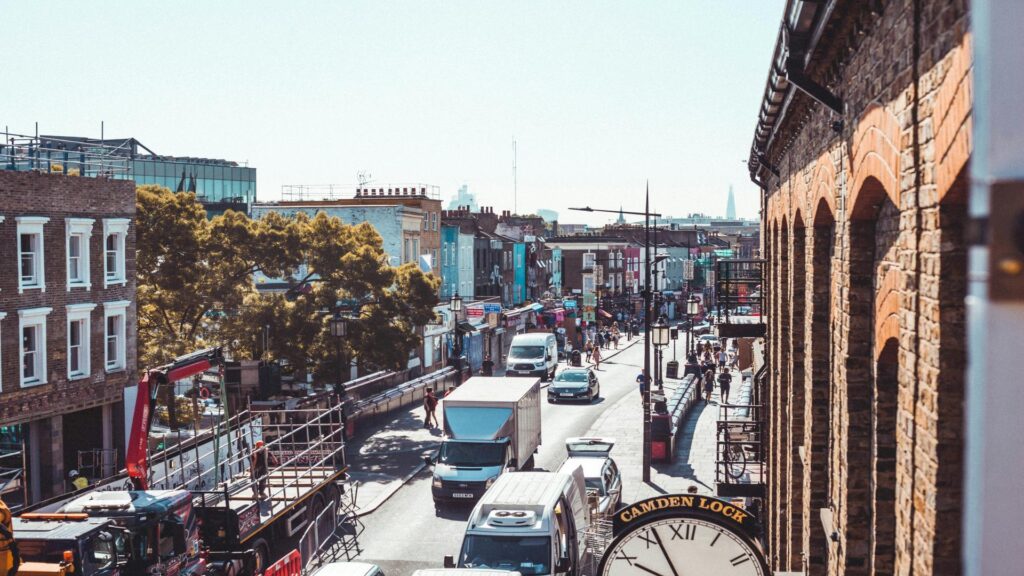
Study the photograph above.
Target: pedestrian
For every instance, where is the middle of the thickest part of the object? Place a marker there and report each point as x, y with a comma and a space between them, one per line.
597, 358
258, 467
709, 385
724, 383
590, 350
449, 391
488, 366
600, 339
642, 381
615, 335
723, 358
429, 406
77, 480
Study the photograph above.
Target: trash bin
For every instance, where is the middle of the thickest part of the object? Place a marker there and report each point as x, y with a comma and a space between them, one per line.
661, 437
672, 369
576, 358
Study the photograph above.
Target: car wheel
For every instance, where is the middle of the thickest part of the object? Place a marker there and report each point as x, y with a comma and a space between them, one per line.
597, 393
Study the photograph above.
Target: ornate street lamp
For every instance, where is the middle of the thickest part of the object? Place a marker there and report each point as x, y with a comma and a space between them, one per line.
456, 304
339, 330
692, 309
660, 338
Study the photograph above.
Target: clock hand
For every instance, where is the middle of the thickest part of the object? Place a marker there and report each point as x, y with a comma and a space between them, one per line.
665, 552
646, 569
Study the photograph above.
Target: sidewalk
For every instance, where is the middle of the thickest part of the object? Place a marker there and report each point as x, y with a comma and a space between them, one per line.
694, 463
382, 459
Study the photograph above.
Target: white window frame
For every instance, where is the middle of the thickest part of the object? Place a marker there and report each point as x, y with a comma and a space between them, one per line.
33, 317
32, 225
81, 227
81, 313
589, 260
118, 227
112, 309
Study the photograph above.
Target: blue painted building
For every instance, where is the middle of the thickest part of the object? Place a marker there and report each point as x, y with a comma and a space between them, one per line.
449, 261
519, 267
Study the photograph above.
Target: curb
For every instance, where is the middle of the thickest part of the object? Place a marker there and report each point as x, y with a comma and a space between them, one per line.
380, 500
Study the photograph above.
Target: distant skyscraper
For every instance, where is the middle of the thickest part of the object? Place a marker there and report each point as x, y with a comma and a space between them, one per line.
547, 215
730, 207
464, 198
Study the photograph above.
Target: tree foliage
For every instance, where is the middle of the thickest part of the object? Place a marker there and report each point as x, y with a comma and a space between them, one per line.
196, 286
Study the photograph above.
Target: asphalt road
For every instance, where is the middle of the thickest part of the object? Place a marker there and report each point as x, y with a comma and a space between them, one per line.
405, 534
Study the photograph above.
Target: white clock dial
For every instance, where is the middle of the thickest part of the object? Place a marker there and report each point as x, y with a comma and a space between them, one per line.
681, 547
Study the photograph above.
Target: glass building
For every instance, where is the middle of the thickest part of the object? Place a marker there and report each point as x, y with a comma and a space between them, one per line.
219, 184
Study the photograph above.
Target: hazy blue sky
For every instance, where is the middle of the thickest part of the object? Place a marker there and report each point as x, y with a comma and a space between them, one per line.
599, 95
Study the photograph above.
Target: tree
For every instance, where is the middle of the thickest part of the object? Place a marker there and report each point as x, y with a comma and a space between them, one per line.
196, 286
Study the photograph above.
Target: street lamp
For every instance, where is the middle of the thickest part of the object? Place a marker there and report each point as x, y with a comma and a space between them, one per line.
660, 338
692, 309
339, 330
648, 294
455, 305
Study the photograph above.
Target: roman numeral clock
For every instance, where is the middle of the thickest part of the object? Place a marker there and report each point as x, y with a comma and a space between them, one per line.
684, 535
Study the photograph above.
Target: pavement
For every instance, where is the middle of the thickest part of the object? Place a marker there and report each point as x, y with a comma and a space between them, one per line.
384, 458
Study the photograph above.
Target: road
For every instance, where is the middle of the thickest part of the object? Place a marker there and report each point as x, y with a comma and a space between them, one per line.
405, 534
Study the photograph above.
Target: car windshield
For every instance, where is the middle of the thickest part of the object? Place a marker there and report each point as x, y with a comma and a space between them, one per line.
527, 352
528, 555
571, 376
472, 454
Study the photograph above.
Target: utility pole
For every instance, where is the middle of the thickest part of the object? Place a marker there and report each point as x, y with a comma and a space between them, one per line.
647, 336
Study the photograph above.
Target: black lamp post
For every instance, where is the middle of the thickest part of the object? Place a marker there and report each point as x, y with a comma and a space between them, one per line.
660, 339
455, 305
692, 308
648, 294
339, 330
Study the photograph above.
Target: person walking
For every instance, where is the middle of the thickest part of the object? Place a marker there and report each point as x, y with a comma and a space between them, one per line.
723, 358
724, 384
488, 366
709, 385
615, 335
258, 467
642, 381
597, 358
590, 350
429, 406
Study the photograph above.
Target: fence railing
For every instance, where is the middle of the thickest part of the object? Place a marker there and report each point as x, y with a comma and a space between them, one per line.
740, 460
69, 157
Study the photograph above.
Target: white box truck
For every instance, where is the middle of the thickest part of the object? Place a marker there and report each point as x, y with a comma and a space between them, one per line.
531, 522
491, 424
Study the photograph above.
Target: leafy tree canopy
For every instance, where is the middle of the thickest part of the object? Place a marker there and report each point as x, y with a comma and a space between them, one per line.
195, 279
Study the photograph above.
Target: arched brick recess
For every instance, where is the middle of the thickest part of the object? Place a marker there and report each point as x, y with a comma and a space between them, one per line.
784, 394
884, 408
952, 119
817, 386
887, 307
795, 402
875, 154
823, 184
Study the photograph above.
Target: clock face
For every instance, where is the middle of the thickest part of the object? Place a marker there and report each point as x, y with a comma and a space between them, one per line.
681, 547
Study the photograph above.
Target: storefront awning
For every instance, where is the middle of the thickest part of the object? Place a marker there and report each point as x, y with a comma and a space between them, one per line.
603, 313
536, 307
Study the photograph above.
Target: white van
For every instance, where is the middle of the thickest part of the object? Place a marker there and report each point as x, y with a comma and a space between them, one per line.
534, 354
529, 522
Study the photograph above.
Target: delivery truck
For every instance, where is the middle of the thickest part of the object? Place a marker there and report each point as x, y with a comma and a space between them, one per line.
533, 523
491, 425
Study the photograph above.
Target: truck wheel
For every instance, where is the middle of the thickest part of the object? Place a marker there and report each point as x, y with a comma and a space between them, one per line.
316, 506
261, 556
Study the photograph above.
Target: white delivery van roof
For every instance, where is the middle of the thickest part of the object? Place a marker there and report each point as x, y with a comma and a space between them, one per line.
493, 389
532, 339
464, 572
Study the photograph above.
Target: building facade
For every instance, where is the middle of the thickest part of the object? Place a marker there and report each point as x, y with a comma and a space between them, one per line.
864, 235
449, 261
67, 326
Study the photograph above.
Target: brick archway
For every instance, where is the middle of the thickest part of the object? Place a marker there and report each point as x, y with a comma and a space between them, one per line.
887, 308
884, 409
823, 185
795, 401
953, 119
875, 157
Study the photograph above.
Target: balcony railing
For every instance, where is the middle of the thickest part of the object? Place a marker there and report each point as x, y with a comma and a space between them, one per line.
739, 298
740, 454
55, 156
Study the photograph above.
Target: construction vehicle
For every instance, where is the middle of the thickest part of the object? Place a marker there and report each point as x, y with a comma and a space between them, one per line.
205, 496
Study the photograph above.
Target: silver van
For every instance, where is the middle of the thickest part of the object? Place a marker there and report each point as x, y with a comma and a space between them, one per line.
534, 354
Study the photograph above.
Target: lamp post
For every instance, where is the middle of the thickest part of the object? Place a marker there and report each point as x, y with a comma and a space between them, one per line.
647, 295
339, 330
691, 310
455, 305
660, 336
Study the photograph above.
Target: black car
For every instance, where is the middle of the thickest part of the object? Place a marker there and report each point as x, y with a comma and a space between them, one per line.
573, 384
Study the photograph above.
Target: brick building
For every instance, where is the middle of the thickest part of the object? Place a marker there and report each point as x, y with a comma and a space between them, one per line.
863, 232
67, 323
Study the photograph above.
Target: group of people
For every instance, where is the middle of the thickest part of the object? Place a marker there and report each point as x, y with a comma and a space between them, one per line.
601, 338
430, 407
712, 358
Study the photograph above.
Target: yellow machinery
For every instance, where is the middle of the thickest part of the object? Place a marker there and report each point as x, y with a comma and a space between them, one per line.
10, 560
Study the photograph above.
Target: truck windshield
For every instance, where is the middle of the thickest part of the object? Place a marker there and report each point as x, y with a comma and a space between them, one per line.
527, 352
472, 454
528, 555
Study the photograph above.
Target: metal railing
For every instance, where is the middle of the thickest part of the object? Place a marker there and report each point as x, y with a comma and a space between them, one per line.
13, 488
739, 297
19, 152
740, 452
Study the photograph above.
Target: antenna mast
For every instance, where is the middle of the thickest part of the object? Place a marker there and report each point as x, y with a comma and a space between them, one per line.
515, 181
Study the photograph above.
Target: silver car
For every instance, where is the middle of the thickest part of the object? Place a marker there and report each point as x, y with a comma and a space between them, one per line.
600, 472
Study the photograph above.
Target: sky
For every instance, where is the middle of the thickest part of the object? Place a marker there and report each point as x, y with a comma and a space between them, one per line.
600, 96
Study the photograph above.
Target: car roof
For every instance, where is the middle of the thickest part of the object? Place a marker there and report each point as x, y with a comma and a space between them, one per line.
346, 569
574, 369
592, 467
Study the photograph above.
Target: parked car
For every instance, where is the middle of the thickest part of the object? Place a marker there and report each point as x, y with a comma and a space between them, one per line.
600, 472
348, 569
708, 338
702, 328
574, 384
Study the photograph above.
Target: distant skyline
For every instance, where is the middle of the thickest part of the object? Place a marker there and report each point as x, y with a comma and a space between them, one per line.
600, 96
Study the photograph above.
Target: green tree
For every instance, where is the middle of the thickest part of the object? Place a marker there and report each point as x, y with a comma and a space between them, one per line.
196, 287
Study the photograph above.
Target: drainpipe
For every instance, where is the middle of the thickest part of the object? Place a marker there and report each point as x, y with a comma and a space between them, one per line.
994, 454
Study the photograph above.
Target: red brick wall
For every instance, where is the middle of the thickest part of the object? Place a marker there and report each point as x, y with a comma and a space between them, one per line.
58, 197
